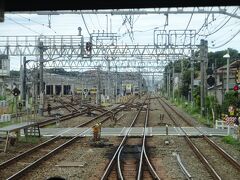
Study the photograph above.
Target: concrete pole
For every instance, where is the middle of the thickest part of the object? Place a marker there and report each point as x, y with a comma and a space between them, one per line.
205, 67
169, 82
107, 24
202, 94
116, 85
214, 67
41, 104
99, 88
228, 58
173, 71
24, 87
140, 81
153, 82
166, 75
192, 74
108, 82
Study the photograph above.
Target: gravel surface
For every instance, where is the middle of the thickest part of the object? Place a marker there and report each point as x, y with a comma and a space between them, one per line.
216, 160
82, 161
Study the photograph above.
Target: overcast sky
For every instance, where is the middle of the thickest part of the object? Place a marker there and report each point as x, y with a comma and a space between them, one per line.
218, 29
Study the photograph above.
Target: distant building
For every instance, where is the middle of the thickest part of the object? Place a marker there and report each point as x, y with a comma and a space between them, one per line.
4, 72
221, 78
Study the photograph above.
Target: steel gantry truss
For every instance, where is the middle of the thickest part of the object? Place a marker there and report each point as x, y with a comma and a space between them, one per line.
70, 52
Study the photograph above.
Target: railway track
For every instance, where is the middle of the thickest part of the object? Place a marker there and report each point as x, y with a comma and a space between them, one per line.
130, 160
16, 167
210, 154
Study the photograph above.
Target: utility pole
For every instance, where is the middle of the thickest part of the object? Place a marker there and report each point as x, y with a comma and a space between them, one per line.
107, 24
41, 105
173, 85
24, 86
228, 58
99, 87
166, 75
169, 82
140, 81
205, 67
153, 82
108, 79
116, 85
192, 74
182, 74
227, 87
203, 59
202, 77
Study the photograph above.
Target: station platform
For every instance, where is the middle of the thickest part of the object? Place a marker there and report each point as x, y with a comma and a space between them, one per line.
18, 126
135, 131
15, 130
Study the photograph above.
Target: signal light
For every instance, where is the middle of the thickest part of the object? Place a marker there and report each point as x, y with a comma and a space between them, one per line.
235, 88
211, 81
15, 91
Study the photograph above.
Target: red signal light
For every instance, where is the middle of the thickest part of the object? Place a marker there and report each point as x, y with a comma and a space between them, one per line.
235, 88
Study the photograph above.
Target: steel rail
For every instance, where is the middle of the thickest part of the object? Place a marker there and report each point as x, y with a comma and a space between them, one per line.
202, 158
143, 152
120, 175
187, 174
20, 173
12, 160
198, 153
214, 145
113, 160
24, 170
62, 118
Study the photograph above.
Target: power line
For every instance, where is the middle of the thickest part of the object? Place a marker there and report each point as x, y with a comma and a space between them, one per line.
220, 26
187, 28
124, 23
189, 22
85, 24
92, 21
37, 23
98, 22
204, 24
226, 41
23, 25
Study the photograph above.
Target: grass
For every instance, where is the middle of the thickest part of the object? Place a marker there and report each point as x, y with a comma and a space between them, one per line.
193, 111
29, 139
232, 141
3, 124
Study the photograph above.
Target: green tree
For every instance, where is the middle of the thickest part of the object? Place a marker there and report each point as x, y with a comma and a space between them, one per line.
230, 98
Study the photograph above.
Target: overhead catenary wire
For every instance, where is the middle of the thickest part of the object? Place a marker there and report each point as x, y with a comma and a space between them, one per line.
215, 47
30, 29
124, 23
189, 22
204, 24
217, 29
30, 20
98, 22
85, 24
92, 21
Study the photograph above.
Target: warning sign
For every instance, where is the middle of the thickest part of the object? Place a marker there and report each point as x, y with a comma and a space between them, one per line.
230, 120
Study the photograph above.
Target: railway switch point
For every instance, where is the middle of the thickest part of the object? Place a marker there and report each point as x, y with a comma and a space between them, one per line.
161, 117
